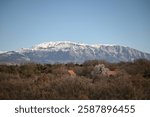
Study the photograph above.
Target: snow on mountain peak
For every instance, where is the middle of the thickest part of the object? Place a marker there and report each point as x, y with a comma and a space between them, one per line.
65, 44
78, 47
57, 44
66, 51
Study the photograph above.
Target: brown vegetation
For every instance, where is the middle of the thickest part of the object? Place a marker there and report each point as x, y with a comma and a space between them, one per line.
124, 80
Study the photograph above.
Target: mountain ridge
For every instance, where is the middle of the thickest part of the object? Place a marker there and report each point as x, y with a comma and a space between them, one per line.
66, 51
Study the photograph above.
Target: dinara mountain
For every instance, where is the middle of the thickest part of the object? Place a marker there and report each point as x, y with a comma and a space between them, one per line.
65, 52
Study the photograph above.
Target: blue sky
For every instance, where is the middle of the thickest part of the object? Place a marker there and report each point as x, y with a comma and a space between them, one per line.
24, 23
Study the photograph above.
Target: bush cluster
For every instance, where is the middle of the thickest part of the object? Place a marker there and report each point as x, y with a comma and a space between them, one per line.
38, 81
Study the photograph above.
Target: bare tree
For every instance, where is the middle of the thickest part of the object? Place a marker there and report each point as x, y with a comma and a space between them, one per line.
99, 70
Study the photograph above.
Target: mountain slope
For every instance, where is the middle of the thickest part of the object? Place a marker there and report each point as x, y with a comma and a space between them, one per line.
12, 57
63, 52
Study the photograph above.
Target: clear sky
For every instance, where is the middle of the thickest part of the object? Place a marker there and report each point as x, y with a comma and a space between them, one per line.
24, 23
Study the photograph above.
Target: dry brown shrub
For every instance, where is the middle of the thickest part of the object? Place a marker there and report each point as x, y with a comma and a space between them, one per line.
18, 82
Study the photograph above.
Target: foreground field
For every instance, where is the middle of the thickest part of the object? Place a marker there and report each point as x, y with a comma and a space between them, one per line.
74, 81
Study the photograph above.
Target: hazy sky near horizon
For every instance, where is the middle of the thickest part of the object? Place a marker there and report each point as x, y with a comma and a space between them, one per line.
24, 23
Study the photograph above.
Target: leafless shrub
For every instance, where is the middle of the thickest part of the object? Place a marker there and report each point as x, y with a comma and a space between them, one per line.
36, 81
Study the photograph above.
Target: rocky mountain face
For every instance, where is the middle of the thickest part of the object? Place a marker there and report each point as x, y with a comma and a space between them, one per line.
64, 52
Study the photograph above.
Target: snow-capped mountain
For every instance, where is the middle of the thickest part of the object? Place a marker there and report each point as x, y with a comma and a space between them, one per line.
64, 51
12, 57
